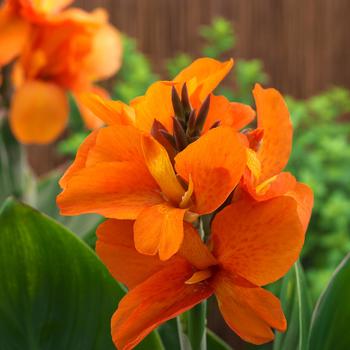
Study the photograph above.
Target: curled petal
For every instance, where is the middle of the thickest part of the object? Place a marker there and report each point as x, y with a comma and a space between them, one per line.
274, 119
39, 112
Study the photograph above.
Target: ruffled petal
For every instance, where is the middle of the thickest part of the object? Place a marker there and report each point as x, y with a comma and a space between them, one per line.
274, 119
39, 112
207, 74
115, 246
111, 112
159, 229
160, 298
259, 241
215, 163
250, 312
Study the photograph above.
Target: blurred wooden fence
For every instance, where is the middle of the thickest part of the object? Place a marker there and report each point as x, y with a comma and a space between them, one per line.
304, 44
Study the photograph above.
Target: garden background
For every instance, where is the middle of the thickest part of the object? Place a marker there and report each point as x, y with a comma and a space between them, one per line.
301, 48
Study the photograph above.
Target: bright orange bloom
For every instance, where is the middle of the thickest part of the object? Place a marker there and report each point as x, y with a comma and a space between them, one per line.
252, 244
158, 183
65, 51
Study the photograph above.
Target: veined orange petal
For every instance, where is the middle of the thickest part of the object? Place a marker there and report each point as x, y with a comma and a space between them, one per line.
250, 312
160, 167
233, 114
80, 158
115, 246
305, 200
194, 250
14, 32
91, 120
118, 190
156, 104
160, 298
39, 112
259, 241
274, 119
215, 162
159, 229
208, 74
105, 57
111, 112
119, 143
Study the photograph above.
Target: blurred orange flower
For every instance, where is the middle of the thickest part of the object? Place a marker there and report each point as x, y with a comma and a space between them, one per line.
252, 244
158, 171
65, 51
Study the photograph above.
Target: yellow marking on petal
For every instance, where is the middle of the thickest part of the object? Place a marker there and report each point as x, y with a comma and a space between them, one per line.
190, 217
199, 276
253, 163
159, 165
186, 198
264, 186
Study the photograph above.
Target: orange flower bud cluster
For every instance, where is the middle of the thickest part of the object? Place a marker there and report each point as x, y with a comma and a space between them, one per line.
57, 50
161, 163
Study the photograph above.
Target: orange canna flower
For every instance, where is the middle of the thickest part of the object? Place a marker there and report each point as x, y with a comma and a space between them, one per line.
65, 51
162, 175
252, 244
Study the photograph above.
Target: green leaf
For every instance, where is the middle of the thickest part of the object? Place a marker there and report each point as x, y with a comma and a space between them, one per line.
330, 320
297, 308
54, 292
214, 342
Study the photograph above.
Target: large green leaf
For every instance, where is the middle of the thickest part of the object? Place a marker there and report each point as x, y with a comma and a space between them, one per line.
54, 292
331, 317
297, 308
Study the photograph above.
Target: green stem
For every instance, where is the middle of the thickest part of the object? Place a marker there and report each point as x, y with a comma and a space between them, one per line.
197, 319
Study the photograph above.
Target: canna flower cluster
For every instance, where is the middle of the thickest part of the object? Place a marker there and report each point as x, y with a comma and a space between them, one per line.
173, 157
58, 50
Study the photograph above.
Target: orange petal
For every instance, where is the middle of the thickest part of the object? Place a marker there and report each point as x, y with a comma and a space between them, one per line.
207, 73
274, 119
159, 165
118, 190
156, 104
232, 114
159, 229
160, 298
273, 187
80, 158
39, 112
14, 32
250, 312
115, 246
305, 199
119, 143
111, 112
105, 57
216, 163
34, 10
91, 120
259, 241
194, 250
